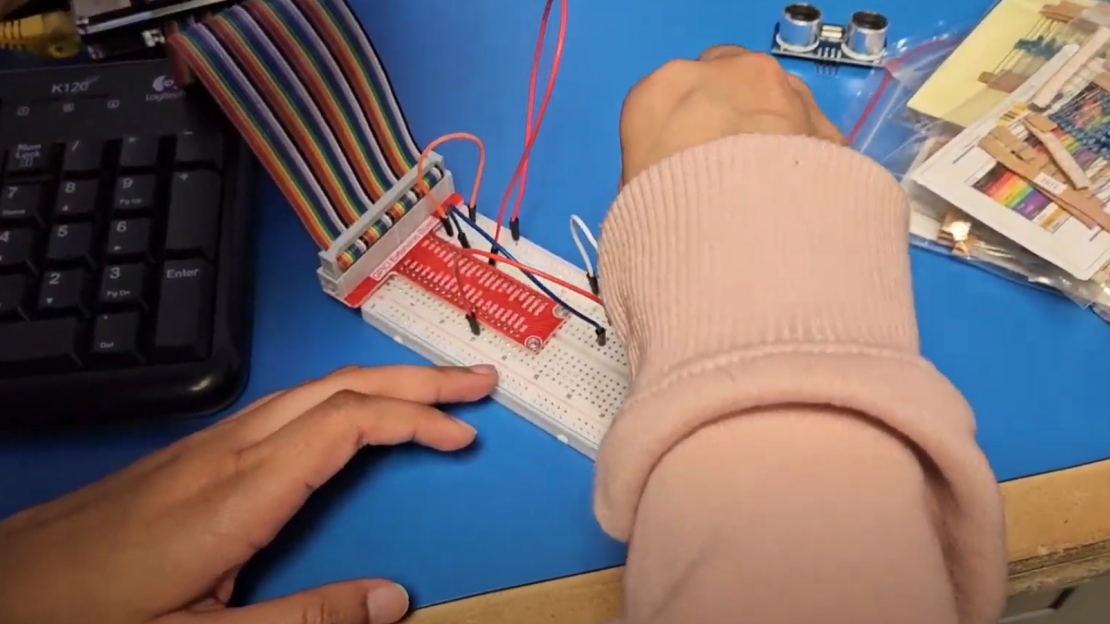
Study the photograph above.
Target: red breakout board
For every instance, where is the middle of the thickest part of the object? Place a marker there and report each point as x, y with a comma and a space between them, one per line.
501, 302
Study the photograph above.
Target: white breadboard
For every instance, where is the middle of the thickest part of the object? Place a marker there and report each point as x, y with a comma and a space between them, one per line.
572, 388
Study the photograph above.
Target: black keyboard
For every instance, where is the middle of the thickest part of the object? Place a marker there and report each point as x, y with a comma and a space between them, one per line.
125, 255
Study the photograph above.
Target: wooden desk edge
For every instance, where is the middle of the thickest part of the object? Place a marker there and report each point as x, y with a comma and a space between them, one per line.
1058, 534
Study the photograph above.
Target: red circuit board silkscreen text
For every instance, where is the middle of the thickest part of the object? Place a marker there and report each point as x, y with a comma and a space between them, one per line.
501, 302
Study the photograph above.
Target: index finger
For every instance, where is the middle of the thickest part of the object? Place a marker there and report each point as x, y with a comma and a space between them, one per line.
426, 385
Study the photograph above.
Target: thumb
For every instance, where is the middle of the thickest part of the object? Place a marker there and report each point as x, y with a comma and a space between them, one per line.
351, 602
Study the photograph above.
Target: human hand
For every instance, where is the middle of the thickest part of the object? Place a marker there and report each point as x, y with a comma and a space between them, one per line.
162, 541
727, 91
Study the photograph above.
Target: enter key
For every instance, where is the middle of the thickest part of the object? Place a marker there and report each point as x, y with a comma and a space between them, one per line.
183, 329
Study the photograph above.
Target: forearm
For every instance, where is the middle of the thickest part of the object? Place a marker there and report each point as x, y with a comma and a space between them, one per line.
784, 516
759, 280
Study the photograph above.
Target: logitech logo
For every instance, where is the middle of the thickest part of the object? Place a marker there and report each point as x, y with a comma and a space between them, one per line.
164, 83
165, 88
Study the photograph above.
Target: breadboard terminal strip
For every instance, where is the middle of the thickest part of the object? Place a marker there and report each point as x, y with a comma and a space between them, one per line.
568, 384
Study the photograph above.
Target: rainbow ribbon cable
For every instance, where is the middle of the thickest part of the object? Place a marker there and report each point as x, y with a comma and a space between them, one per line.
301, 82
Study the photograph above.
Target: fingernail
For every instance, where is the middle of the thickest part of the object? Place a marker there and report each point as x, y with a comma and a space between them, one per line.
466, 425
484, 369
387, 604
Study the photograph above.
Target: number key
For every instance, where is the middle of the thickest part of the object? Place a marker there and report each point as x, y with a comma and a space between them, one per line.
62, 290
116, 336
40, 345
122, 284
70, 242
129, 237
134, 192
21, 203
76, 197
16, 247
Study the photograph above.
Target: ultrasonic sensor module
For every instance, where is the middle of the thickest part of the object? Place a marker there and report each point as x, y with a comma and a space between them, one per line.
802, 33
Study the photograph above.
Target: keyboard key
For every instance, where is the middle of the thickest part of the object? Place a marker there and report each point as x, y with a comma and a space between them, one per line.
13, 296
122, 283
70, 242
29, 158
194, 219
82, 156
47, 344
76, 198
199, 148
62, 290
184, 324
138, 152
16, 247
134, 192
130, 237
116, 336
21, 204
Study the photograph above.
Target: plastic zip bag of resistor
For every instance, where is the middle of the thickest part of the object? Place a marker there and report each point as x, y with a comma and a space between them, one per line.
879, 123
897, 111
1028, 154
899, 138
885, 129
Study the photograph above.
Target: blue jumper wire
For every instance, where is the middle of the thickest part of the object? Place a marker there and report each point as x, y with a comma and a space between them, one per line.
458, 214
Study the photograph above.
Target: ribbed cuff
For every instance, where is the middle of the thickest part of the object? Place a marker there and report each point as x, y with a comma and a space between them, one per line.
756, 240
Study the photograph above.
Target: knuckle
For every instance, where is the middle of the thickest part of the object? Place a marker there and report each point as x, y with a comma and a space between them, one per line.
346, 400
239, 463
316, 610
330, 377
664, 77
710, 52
764, 66
673, 76
674, 69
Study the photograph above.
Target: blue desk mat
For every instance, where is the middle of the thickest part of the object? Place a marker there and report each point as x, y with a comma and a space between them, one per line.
517, 508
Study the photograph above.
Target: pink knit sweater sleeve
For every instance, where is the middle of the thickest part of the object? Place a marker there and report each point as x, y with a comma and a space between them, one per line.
785, 454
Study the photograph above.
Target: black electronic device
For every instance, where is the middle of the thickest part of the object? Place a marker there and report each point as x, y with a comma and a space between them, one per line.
126, 28
125, 248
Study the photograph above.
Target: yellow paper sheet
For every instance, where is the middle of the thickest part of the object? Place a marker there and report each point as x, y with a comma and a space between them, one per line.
954, 92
